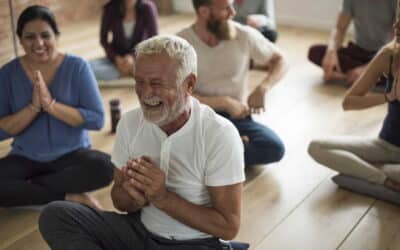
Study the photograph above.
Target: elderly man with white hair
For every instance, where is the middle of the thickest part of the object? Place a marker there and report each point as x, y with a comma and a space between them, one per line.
179, 167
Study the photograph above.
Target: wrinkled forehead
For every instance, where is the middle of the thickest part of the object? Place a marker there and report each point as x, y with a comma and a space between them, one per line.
161, 65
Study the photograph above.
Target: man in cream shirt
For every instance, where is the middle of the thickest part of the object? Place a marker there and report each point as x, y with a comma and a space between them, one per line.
224, 50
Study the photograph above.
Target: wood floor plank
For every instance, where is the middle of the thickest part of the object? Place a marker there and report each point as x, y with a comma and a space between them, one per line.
321, 222
15, 224
32, 241
379, 229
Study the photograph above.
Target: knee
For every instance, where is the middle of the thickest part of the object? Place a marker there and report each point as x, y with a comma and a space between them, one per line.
279, 151
105, 172
49, 217
316, 53
103, 168
314, 149
273, 151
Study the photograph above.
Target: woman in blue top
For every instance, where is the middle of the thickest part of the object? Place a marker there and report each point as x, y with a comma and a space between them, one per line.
48, 101
375, 160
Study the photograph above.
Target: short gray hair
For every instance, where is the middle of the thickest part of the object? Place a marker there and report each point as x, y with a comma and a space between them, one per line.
176, 48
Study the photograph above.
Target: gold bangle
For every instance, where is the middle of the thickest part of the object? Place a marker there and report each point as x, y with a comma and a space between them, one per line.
50, 106
36, 109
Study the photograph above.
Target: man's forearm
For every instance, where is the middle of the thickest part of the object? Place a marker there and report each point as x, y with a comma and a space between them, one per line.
204, 219
215, 102
277, 68
336, 39
122, 201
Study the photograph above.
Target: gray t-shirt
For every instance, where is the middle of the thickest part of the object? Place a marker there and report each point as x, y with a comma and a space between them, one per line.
373, 20
262, 7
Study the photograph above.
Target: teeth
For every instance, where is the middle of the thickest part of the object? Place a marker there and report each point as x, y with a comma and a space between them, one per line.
39, 51
153, 101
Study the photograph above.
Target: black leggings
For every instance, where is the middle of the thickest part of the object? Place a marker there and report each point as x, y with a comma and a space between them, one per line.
26, 182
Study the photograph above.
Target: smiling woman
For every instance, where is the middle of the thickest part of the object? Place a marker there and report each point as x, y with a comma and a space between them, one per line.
48, 101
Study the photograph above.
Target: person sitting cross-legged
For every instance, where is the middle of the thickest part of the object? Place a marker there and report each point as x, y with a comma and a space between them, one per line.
179, 167
373, 29
376, 160
48, 102
224, 49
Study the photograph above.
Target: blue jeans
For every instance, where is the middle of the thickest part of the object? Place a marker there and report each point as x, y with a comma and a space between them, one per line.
264, 145
104, 69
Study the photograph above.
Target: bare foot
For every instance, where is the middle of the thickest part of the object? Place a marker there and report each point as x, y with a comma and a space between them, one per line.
393, 185
85, 199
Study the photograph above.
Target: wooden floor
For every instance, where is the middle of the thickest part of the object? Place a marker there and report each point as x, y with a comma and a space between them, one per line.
291, 205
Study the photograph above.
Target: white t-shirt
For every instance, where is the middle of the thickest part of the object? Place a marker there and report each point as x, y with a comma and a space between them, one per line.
128, 29
206, 151
223, 69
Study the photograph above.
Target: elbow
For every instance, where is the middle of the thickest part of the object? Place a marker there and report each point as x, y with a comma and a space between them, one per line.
230, 233
346, 106
285, 64
231, 230
99, 124
281, 60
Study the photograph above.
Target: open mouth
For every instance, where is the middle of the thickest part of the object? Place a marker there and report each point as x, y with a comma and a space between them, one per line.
154, 102
40, 52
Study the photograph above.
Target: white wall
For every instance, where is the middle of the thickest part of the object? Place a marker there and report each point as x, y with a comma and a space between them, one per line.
319, 14
183, 6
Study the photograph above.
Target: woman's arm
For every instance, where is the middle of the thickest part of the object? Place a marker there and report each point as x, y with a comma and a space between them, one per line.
18, 122
105, 28
12, 124
358, 97
152, 19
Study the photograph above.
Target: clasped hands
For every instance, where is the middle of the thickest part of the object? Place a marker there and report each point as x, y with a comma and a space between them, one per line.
41, 96
394, 93
125, 64
145, 182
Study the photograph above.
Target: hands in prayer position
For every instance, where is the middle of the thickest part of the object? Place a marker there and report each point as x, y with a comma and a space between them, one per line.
41, 95
125, 64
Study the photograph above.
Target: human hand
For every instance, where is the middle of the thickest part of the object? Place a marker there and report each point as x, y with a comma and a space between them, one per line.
36, 97
394, 93
137, 196
256, 20
124, 64
355, 73
396, 27
128, 60
45, 97
256, 100
148, 178
236, 109
330, 65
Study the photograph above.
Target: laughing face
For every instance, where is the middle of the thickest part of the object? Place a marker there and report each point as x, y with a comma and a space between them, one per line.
38, 41
220, 12
161, 98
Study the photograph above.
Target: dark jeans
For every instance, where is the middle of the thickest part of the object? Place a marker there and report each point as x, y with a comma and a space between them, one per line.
269, 33
26, 182
66, 225
349, 57
264, 145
